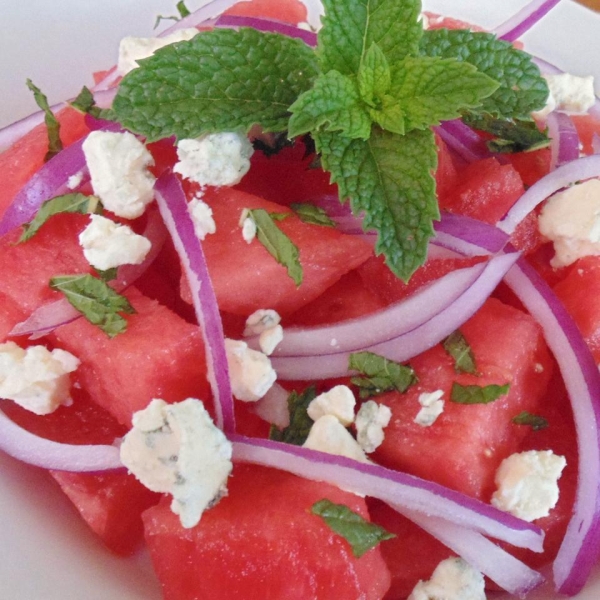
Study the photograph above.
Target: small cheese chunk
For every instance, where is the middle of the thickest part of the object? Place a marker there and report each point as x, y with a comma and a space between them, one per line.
216, 159
75, 180
527, 484
132, 49
571, 219
453, 579
107, 244
248, 229
265, 324
118, 165
36, 378
339, 401
328, 435
370, 422
202, 217
250, 371
178, 450
571, 93
432, 406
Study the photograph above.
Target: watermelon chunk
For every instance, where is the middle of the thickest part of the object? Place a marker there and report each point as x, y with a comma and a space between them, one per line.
262, 542
464, 447
288, 11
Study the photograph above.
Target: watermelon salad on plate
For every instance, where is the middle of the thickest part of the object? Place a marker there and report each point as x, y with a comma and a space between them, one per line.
293, 311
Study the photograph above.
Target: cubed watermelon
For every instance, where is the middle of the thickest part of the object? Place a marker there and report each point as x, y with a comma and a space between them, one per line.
288, 11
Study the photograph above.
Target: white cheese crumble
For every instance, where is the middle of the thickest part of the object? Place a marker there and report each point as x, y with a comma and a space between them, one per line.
328, 435
107, 244
452, 579
527, 484
216, 159
432, 406
250, 371
571, 219
370, 422
202, 217
178, 450
75, 180
339, 401
248, 226
118, 165
571, 93
36, 378
132, 49
265, 324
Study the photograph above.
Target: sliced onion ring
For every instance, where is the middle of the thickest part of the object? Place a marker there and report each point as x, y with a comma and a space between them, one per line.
267, 25
524, 20
173, 207
564, 147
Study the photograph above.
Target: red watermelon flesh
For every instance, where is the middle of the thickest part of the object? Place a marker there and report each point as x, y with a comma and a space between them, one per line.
288, 11
159, 356
262, 542
464, 447
10, 315
246, 277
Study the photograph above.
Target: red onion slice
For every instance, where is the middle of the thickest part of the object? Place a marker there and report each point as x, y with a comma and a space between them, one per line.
393, 487
482, 554
458, 233
29, 448
463, 140
267, 25
173, 207
524, 20
410, 343
564, 147
581, 169
273, 407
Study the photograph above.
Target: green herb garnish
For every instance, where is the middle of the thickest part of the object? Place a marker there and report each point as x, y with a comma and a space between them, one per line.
380, 374
182, 9
85, 103
475, 394
458, 348
534, 421
300, 423
357, 531
55, 144
309, 213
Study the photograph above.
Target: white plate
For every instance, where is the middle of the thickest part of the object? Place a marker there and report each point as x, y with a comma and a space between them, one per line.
47, 552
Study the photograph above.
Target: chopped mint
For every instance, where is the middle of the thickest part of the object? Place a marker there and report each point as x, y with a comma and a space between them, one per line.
272, 143
380, 374
85, 103
300, 423
95, 300
69, 203
512, 135
534, 421
108, 274
475, 394
458, 348
183, 12
222, 80
55, 144
314, 215
361, 534
279, 245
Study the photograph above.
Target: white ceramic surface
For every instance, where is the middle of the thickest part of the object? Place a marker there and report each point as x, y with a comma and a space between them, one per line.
47, 553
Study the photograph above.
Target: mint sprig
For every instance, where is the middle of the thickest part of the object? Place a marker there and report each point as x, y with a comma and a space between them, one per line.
55, 144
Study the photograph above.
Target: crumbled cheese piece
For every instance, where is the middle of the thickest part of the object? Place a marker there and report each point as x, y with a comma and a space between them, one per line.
339, 401
571, 219
250, 371
453, 579
177, 449
215, 159
527, 484
36, 378
432, 406
132, 49
202, 216
118, 165
370, 421
107, 244
424, 20
265, 324
327, 434
248, 229
75, 180
571, 93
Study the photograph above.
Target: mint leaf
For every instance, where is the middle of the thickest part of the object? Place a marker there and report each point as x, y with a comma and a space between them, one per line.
534, 421
69, 203
361, 534
374, 76
522, 89
52, 125
390, 178
431, 90
108, 274
390, 116
300, 423
183, 10
381, 374
351, 27
475, 394
314, 215
333, 104
221, 80
511, 135
85, 103
95, 300
279, 245
458, 348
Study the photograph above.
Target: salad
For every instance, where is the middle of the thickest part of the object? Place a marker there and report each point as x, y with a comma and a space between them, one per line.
487, 241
